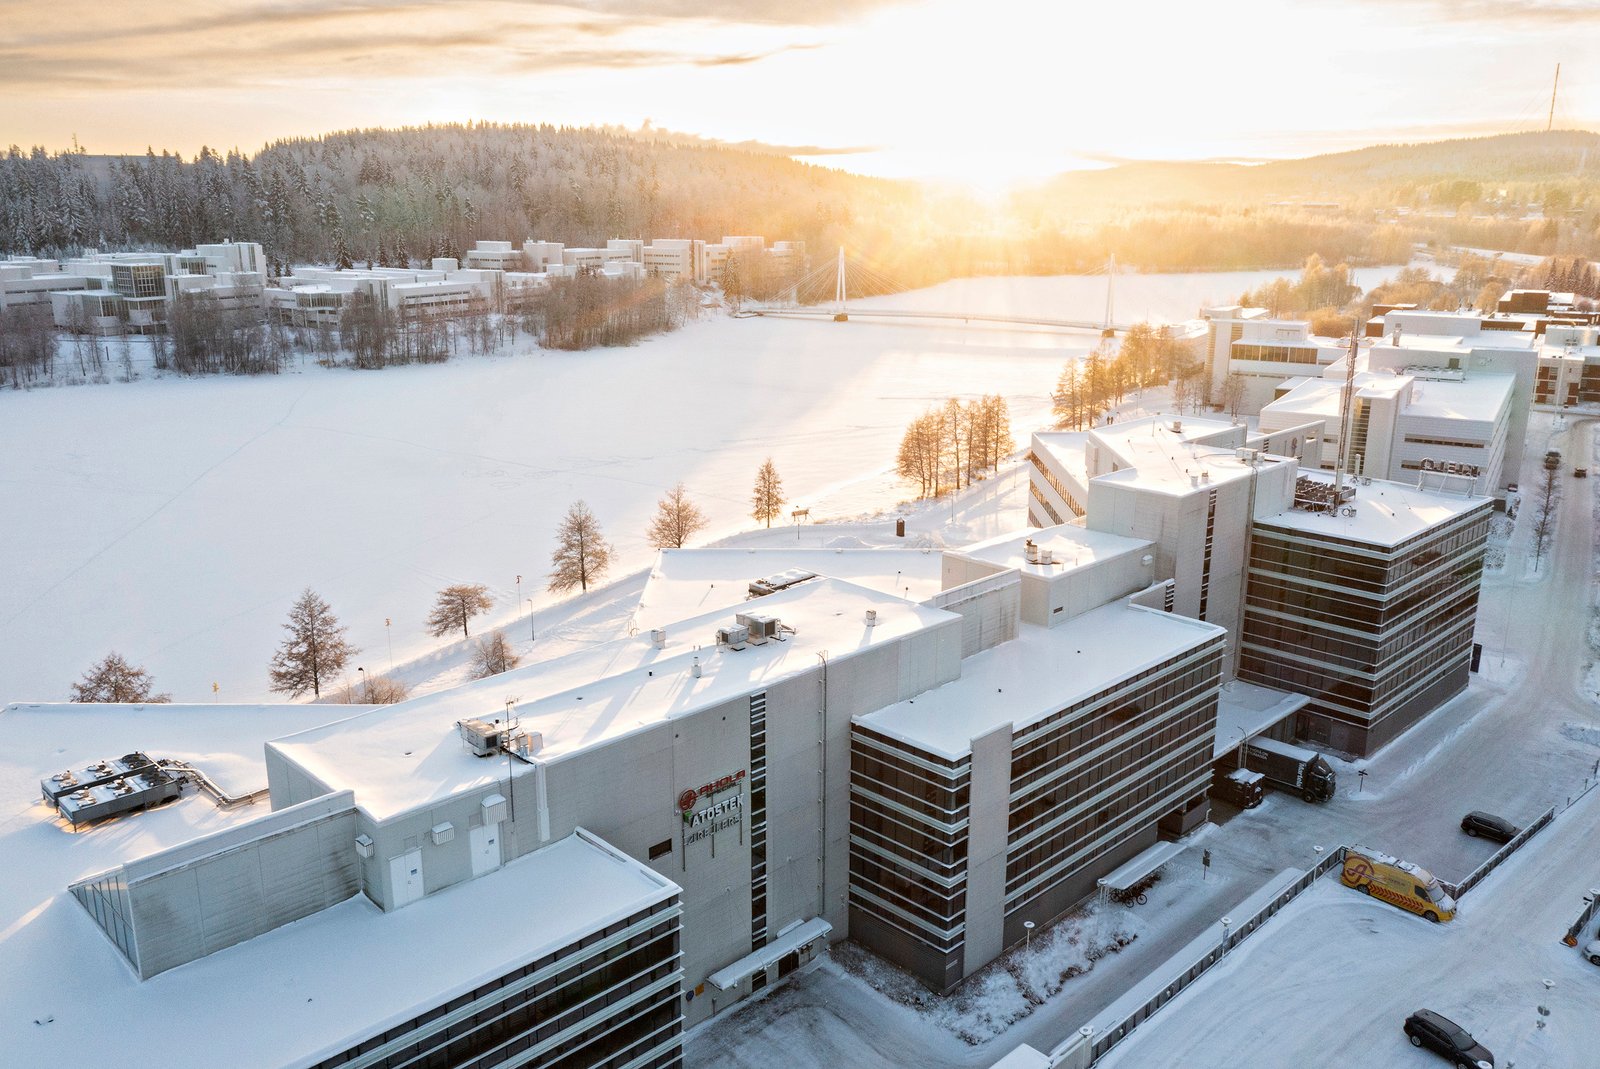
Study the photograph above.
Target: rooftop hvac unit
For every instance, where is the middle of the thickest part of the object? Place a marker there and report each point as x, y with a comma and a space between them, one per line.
762, 629
141, 791
482, 737
54, 787
735, 637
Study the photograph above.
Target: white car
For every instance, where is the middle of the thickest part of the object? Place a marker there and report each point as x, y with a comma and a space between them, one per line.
1592, 951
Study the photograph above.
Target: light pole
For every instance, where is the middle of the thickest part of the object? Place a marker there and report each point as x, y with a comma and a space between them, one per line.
390, 636
1243, 738
366, 686
530, 620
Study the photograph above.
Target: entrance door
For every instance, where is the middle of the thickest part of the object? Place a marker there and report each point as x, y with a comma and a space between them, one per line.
405, 878
485, 849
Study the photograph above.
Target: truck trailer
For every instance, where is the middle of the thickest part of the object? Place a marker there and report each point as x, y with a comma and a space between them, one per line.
1291, 768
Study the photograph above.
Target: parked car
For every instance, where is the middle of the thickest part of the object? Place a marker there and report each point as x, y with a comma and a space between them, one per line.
1592, 952
1580, 473
1444, 1037
1489, 826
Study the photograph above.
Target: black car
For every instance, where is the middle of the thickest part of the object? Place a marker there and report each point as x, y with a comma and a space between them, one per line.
1443, 1036
1489, 826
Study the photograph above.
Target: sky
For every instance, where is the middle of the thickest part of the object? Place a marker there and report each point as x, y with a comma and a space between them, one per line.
985, 94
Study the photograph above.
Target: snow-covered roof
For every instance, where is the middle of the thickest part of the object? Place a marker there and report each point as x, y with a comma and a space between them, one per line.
1071, 547
1384, 513
1245, 710
1040, 672
1478, 396
410, 754
692, 582
284, 998
299, 993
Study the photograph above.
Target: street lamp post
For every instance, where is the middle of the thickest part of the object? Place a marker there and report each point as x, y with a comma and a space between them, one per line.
530, 620
1243, 738
366, 685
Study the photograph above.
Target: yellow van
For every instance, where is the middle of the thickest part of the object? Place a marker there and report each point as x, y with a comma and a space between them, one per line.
1399, 883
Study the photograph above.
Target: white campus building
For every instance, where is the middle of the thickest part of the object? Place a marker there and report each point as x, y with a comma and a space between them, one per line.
1299, 571
927, 752
110, 293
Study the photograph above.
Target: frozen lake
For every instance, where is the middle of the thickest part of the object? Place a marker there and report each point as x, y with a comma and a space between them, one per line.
176, 520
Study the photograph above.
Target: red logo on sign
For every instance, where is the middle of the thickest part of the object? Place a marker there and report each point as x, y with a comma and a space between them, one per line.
687, 798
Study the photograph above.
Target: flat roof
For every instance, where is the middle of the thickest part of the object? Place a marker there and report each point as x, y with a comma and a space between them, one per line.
399, 757
1477, 396
1072, 547
1245, 710
1038, 673
691, 582
292, 996
1385, 513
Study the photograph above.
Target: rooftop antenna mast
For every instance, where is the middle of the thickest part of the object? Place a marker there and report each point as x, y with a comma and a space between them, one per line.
1551, 121
1346, 413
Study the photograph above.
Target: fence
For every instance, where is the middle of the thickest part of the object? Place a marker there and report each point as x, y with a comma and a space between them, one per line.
1476, 876
1088, 1047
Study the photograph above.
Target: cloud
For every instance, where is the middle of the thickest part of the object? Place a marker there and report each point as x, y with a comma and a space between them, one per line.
770, 12
68, 47
1535, 13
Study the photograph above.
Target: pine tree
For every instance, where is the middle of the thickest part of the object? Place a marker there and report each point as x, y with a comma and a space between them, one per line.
312, 651
768, 496
115, 680
677, 520
581, 555
456, 605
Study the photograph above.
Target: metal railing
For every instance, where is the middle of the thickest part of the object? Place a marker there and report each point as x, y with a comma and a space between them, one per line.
1476, 876
1087, 1047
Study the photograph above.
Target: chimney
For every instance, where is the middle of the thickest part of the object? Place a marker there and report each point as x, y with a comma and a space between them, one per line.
694, 669
872, 617
658, 638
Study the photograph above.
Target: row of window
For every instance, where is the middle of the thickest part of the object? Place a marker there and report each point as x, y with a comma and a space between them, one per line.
651, 950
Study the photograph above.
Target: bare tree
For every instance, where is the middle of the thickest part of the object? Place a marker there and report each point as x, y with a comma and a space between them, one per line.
1067, 402
1232, 396
1544, 520
313, 650
677, 520
493, 656
767, 499
918, 460
383, 690
115, 680
581, 555
456, 605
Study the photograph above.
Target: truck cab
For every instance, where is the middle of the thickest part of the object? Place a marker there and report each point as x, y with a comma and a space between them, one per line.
1399, 883
1242, 787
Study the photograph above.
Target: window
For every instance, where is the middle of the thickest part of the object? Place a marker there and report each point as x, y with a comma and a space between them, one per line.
661, 849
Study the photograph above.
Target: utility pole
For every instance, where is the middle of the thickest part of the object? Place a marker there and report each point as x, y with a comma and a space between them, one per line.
1111, 278
1551, 121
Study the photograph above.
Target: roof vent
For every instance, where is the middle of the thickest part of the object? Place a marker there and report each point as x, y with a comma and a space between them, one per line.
1177, 426
694, 669
1030, 552
872, 617
658, 638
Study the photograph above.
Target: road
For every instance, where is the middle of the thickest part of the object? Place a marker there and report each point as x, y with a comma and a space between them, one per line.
1498, 746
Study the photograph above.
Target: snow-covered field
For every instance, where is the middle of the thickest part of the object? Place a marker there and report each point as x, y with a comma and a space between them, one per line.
175, 520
